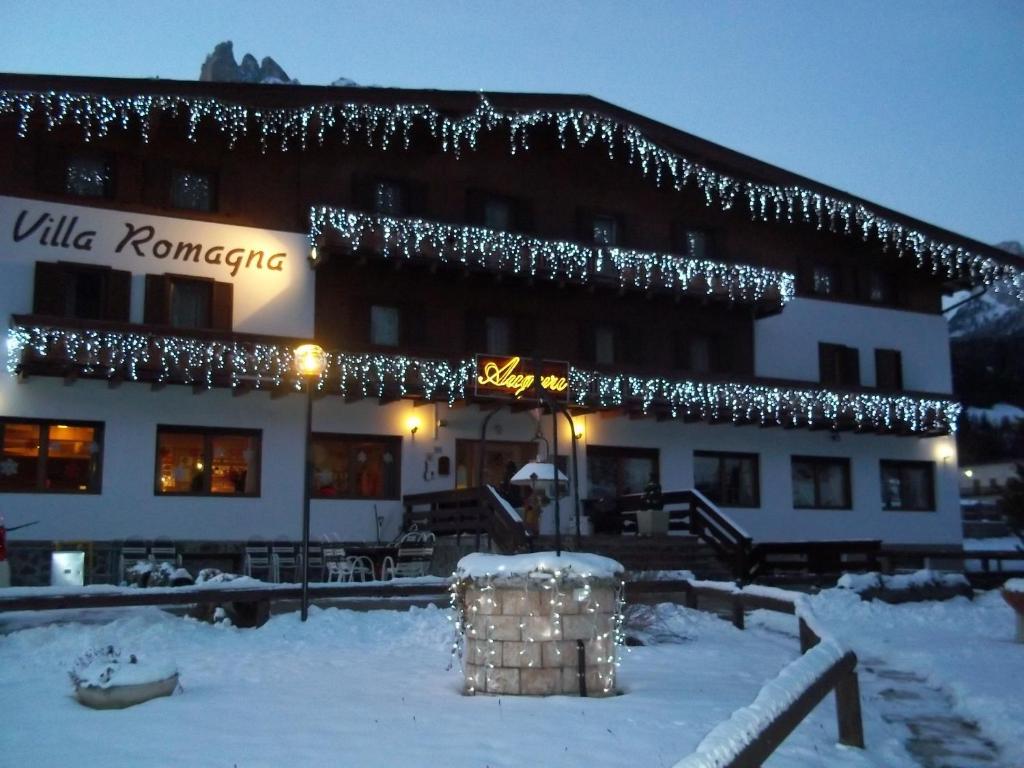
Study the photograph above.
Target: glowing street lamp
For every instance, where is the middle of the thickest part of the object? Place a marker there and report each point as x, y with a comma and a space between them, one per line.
310, 361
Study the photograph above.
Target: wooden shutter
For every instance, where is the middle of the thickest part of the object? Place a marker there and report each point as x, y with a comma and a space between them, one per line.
362, 193
475, 206
524, 335
157, 309
587, 342
524, 215
412, 326
221, 306
119, 295
850, 367
888, 369
828, 363
51, 169
49, 296
475, 333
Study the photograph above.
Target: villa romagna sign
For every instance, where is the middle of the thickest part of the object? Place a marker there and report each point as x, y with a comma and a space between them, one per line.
511, 376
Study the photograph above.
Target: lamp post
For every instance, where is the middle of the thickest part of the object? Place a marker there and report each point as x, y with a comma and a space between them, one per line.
310, 362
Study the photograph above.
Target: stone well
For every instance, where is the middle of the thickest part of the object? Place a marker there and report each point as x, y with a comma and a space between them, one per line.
539, 625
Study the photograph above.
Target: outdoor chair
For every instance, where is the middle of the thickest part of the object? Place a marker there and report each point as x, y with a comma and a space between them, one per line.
337, 566
284, 559
410, 561
316, 562
361, 568
165, 551
258, 562
132, 552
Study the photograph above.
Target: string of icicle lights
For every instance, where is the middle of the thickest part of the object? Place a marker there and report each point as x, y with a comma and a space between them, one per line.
179, 360
510, 252
384, 125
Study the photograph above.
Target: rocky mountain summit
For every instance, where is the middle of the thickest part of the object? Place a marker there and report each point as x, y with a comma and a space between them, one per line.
993, 314
221, 67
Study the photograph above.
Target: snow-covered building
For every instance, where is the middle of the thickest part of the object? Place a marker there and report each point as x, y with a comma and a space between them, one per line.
707, 318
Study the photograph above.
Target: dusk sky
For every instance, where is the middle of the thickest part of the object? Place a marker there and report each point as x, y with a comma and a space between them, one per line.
918, 106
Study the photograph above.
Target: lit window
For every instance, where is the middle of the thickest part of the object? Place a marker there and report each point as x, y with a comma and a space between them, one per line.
605, 231
192, 191
821, 483
388, 198
384, 326
499, 335
908, 485
50, 457
616, 472
88, 176
203, 461
356, 466
728, 479
696, 244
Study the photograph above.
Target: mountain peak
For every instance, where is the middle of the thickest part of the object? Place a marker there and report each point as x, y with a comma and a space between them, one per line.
221, 67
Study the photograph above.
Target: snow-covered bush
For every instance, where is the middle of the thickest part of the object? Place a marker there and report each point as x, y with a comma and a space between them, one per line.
108, 666
907, 587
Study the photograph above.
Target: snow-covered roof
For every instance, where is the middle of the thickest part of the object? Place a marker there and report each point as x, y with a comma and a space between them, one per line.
581, 564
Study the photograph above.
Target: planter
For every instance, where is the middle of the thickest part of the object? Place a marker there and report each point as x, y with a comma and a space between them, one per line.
121, 696
652, 522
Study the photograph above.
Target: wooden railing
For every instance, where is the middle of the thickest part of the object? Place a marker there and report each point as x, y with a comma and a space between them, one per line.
692, 512
473, 512
753, 733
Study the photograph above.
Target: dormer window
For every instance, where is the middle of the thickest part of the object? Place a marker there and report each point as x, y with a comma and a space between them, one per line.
823, 280
89, 175
389, 198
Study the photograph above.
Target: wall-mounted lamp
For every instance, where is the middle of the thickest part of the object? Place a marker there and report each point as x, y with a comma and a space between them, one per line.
413, 424
314, 256
579, 432
968, 473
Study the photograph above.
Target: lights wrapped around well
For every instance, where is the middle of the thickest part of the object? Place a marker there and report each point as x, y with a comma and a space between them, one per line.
383, 125
135, 356
510, 252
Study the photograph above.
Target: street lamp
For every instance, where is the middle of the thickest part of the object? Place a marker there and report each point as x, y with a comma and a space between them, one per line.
310, 362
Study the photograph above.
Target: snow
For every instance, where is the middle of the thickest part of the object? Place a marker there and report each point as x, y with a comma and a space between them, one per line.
995, 544
861, 582
1014, 585
373, 689
479, 565
997, 414
109, 667
506, 505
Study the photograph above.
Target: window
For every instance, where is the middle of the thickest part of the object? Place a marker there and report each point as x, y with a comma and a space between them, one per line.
729, 479
85, 291
50, 456
88, 175
618, 471
389, 198
356, 466
838, 365
821, 482
604, 345
191, 302
498, 213
908, 485
693, 352
697, 244
605, 231
204, 461
888, 369
879, 287
183, 301
499, 335
823, 280
384, 323
193, 191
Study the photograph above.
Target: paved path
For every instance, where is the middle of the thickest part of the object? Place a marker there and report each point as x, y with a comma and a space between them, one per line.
937, 737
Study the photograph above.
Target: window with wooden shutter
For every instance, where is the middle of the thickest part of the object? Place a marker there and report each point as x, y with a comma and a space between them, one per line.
838, 365
888, 369
84, 291
183, 301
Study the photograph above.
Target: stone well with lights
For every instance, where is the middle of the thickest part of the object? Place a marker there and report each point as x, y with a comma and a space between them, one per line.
538, 624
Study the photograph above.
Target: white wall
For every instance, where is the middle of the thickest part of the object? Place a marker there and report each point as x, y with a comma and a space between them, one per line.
786, 345
275, 298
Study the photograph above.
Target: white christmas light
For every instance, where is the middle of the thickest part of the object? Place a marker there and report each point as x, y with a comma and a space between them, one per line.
496, 250
174, 359
381, 125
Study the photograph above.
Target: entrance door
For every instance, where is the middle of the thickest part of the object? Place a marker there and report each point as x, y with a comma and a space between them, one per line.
501, 459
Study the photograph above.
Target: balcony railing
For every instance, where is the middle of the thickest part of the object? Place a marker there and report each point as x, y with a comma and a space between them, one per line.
121, 352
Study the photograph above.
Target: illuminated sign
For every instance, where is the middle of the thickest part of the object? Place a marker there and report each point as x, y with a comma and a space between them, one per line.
511, 376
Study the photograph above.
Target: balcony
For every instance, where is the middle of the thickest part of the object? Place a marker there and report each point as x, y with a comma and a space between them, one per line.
118, 353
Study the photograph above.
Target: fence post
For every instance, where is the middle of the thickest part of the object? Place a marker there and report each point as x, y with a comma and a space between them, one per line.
807, 638
848, 717
737, 611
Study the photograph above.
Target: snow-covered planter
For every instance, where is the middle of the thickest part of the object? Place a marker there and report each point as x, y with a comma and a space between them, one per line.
107, 679
538, 624
146, 573
1013, 593
907, 587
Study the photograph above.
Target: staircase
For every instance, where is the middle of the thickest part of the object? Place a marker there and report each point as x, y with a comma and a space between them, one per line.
649, 553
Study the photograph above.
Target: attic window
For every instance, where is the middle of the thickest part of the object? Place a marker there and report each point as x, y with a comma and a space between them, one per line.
389, 198
605, 231
88, 175
192, 191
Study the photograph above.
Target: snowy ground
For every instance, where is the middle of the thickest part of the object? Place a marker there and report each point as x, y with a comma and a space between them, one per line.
372, 689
